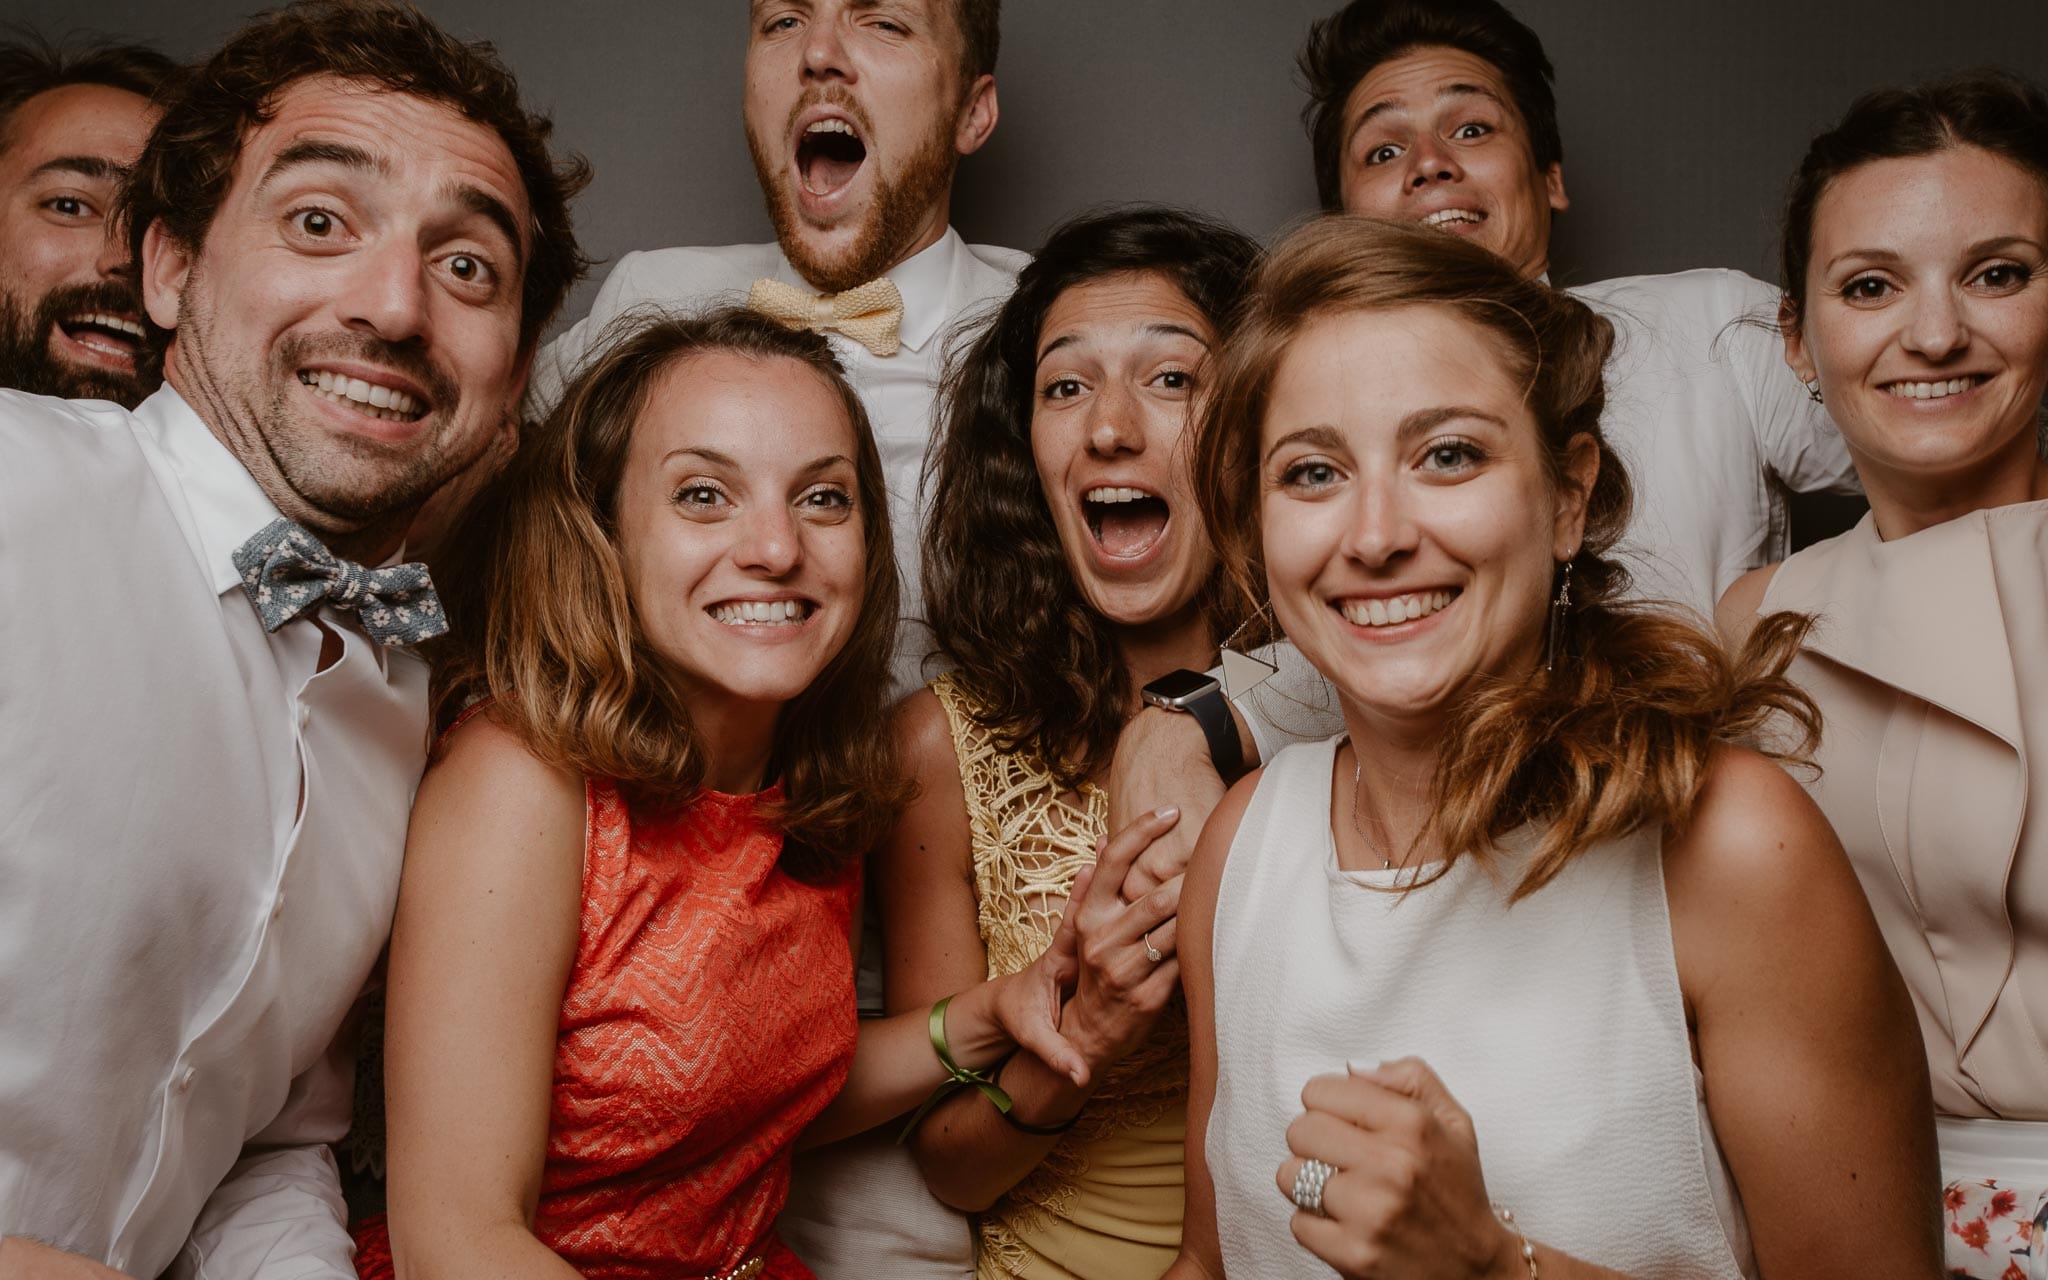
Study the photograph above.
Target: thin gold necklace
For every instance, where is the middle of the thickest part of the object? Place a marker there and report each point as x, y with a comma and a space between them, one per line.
1357, 776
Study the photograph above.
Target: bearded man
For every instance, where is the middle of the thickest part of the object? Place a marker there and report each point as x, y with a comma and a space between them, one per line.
857, 114
70, 129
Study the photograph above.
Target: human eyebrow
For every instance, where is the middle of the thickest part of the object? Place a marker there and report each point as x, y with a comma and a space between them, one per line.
1470, 91
83, 166
825, 464
300, 154
1170, 330
1423, 421
1315, 437
1386, 106
712, 456
478, 201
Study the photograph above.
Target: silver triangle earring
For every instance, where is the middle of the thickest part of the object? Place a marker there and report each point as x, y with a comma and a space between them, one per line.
1813, 390
1558, 608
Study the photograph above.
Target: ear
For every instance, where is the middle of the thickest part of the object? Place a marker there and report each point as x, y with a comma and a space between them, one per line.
977, 116
166, 264
1795, 341
1553, 186
1581, 469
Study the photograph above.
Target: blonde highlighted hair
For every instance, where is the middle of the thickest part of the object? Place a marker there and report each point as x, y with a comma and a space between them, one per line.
544, 626
1619, 734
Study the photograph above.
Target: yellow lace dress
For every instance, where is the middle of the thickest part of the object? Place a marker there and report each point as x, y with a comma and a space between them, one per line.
1105, 1203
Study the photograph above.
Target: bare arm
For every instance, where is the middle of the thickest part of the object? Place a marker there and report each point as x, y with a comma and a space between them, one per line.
1201, 1251
1816, 1078
1737, 612
488, 917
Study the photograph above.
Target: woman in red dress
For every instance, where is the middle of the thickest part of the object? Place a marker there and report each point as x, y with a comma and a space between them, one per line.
621, 986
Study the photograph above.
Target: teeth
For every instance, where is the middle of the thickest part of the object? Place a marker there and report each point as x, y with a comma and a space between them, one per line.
374, 399
1115, 493
117, 323
1388, 612
1931, 390
1442, 216
761, 612
831, 126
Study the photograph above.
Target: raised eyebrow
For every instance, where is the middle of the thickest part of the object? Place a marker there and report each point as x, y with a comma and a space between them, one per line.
1999, 244
1162, 328
1868, 257
83, 166
311, 151
1320, 437
824, 464
477, 200
712, 456
1470, 91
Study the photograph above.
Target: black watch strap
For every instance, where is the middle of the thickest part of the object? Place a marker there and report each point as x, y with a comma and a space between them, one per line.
1211, 710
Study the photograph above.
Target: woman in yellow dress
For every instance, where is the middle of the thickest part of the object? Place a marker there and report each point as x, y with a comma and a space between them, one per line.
1065, 567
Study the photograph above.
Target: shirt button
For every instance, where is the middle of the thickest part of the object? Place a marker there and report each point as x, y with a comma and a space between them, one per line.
305, 717
277, 907
185, 1079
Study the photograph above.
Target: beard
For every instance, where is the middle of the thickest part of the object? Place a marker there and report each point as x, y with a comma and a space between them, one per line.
885, 230
27, 364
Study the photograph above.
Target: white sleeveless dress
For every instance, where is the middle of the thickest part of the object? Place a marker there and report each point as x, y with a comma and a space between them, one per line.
1557, 1024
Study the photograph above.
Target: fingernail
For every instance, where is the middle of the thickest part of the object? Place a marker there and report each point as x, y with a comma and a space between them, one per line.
1169, 811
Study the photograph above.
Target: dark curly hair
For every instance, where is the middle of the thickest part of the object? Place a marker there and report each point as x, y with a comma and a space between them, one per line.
1342, 50
998, 592
31, 65
184, 170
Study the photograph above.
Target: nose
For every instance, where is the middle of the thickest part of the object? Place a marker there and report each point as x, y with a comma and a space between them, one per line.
387, 293
1113, 424
115, 261
1934, 325
825, 50
1382, 528
770, 543
1431, 160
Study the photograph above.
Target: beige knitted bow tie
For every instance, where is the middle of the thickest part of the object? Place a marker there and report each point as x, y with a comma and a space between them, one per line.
869, 314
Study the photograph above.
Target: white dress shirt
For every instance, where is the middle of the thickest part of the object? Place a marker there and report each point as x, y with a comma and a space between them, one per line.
200, 837
1713, 428
943, 285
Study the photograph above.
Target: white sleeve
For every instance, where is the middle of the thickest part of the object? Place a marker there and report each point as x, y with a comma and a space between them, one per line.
1294, 704
1799, 442
279, 1215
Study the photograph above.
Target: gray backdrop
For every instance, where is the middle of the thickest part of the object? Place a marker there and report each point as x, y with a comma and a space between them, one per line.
1682, 119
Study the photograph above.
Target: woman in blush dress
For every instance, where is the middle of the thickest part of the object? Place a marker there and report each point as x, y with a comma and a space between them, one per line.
621, 986
1538, 969
1916, 306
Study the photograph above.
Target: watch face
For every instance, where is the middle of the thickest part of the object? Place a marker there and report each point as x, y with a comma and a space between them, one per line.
1176, 685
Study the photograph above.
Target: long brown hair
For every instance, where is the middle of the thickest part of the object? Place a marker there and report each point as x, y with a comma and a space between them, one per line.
543, 623
1047, 669
1619, 733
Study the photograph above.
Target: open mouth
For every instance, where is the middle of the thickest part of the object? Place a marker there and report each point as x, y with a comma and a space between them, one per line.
763, 613
1941, 390
828, 155
1125, 522
1452, 219
372, 398
1392, 611
118, 338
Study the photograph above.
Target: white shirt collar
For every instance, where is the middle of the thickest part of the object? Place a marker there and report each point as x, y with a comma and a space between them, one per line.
925, 279
226, 504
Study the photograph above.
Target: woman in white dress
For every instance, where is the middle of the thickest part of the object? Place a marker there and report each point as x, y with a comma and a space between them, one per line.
1916, 304
1536, 971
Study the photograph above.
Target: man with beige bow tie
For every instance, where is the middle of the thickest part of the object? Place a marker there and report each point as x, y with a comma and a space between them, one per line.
857, 114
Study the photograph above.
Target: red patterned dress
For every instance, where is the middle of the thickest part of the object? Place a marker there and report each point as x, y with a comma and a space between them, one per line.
709, 1018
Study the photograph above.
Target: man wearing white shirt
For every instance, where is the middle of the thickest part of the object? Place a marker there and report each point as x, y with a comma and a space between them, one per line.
350, 235
1441, 112
857, 113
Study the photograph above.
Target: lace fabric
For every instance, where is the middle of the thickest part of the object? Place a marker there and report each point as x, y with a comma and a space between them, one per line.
1030, 838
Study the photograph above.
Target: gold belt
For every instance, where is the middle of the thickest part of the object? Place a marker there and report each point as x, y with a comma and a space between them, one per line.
747, 1270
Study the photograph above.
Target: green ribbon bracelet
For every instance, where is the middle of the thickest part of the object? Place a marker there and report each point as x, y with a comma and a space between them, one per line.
957, 1076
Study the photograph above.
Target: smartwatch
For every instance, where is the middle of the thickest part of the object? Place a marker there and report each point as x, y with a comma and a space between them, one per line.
1201, 696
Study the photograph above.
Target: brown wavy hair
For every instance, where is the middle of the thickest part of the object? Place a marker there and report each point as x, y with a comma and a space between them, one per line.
998, 592
1619, 734
543, 624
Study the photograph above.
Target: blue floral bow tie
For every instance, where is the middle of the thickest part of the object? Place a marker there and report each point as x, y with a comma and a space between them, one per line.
288, 573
